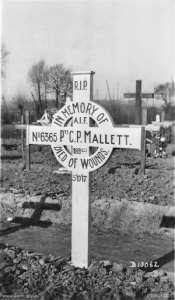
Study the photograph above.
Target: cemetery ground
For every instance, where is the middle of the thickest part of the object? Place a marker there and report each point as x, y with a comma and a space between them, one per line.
132, 221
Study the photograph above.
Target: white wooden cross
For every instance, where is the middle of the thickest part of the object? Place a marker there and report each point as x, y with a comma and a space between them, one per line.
82, 161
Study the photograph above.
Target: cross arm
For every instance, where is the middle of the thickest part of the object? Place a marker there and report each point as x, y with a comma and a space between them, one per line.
91, 137
143, 95
20, 126
149, 127
129, 95
147, 95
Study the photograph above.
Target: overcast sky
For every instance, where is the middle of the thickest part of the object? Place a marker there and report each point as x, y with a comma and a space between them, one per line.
122, 41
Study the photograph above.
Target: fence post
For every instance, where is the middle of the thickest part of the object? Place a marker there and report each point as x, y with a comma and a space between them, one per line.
27, 141
143, 151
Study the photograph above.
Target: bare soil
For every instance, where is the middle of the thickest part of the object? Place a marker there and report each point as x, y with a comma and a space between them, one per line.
119, 179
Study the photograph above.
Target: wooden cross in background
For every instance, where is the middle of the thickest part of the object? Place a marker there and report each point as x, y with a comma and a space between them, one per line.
138, 96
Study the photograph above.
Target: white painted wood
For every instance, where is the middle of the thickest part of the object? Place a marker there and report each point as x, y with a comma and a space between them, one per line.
157, 118
104, 137
81, 219
81, 137
152, 127
81, 181
149, 127
144, 116
165, 123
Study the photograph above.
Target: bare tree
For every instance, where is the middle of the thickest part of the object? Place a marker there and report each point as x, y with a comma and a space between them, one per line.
45, 84
36, 77
166, 92
4, 54
60, 82
36, 106
115, 106
67, 82
20, 101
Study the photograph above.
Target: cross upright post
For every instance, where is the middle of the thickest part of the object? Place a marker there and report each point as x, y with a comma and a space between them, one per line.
138, 102
27, 142
81, 191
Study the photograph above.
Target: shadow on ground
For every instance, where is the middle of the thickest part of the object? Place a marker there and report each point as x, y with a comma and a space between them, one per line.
10, 157
9, 147
131, 166
35, 218
168, 222
163, 260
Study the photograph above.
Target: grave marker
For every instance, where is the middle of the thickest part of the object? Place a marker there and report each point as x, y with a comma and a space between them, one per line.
157, 118
163, 116
82, 161
138, 95
144, 116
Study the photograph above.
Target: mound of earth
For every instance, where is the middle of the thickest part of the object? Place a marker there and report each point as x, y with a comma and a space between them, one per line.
27, 274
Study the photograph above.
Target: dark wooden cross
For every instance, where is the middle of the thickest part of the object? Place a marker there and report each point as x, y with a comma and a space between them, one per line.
138, 96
